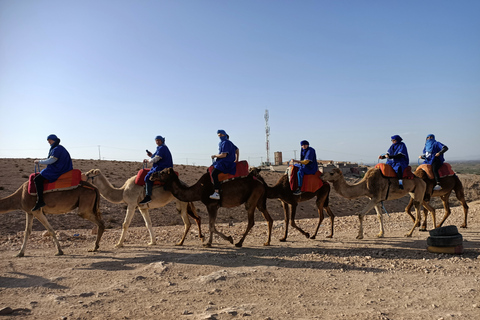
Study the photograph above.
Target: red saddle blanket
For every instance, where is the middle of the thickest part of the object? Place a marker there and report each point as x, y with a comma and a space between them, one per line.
311, 182
444, 171
387, 171
68, 180
242, 171
140, 179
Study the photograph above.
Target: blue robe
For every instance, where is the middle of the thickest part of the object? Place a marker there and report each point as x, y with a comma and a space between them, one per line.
165, 162
59, 167
227, 164
395, 149
430, 156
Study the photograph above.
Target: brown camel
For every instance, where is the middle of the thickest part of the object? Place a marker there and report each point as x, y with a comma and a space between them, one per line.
246, 190
448, 184
131, 194
282, 191
86, 197
378, 189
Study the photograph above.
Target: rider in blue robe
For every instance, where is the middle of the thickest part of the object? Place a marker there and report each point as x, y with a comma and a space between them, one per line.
433, 155
397, 156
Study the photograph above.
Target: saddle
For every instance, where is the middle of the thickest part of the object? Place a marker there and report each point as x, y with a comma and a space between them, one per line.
140, 178
242, 171
311, 182
67, 181
444, 171
388, 172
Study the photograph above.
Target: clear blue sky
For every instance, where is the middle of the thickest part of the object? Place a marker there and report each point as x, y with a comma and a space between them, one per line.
345, 75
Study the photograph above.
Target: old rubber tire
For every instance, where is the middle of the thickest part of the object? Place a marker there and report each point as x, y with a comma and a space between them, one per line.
445, 241
450, 250
444, 231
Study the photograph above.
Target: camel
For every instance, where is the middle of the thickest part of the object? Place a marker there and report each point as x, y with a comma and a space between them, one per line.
247, 190
85, 197
378, 189
448, 184
131, 194
281, 190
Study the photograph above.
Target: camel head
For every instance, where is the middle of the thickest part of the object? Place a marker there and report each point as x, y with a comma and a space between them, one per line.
333, 175
165, 176
254, 171
92, 174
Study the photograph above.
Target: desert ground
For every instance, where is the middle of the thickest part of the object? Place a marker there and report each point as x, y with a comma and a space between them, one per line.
340, 278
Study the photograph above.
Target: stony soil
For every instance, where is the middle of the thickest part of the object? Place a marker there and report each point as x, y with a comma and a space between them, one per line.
341, 278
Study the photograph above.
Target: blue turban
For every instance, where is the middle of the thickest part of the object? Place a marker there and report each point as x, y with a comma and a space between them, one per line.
397, 137
304, 142
160, 138
222, 132
52, 137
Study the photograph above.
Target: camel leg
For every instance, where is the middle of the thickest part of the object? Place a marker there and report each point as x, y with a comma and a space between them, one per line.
293, 223
332, 218
192, 212
186, 221
417, 205
251, 222
148, 224
378, 209
459, 193
28, 231
426, 208
408, 208
126, 224
446, 207
361, 216
266, 215
90, 216
212, 214
286, 211
43, 220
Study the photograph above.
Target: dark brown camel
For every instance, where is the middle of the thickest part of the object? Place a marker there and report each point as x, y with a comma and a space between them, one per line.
85, 197
448, 184
246, 190
281, 190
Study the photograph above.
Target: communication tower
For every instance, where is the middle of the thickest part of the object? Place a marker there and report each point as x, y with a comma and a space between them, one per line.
267, 133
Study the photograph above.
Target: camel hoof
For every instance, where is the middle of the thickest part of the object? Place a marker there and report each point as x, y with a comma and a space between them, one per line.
408, 235
152, 243
380, 235
20, 255
238, 245
463, 226
422, 229
179, 244
283, 240
359, 237
313, 237
330, 237
230, 239
59, 253
119, 245
207, 245
266, 244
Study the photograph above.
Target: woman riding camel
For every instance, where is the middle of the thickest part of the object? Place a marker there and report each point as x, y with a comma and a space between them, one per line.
58, 162
227, 158
161, 159
433, 155
397, 156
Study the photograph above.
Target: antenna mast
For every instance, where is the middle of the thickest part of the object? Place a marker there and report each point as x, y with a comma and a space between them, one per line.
267, 133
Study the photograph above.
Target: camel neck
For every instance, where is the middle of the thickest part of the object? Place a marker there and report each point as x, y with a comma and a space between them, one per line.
13, 201
108, 191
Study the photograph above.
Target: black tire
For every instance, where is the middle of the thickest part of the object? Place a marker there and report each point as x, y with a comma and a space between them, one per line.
445, 241
444, 231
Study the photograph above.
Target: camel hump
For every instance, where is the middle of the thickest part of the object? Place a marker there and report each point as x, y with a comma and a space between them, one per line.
69, 180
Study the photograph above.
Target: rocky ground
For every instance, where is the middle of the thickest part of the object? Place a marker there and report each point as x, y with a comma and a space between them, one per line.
341, 278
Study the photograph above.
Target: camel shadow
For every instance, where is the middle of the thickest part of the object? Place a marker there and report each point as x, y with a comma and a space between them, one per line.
23, 280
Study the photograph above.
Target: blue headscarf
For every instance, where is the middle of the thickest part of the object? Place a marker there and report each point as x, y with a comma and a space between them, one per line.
429, 143
304, 142
397, 138
160, 138
225, 135
53, 145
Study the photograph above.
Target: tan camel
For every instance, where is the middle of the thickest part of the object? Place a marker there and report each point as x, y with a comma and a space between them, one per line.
246, 190
378, 189
131, 194
282, 191
86, 197
448, 184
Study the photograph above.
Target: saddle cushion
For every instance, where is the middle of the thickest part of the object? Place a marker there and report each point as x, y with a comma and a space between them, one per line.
242, 171
444, 171
388, 172
311, 182
140, 178
68, 180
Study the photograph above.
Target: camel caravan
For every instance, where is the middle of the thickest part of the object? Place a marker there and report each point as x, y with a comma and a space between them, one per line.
226, 185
